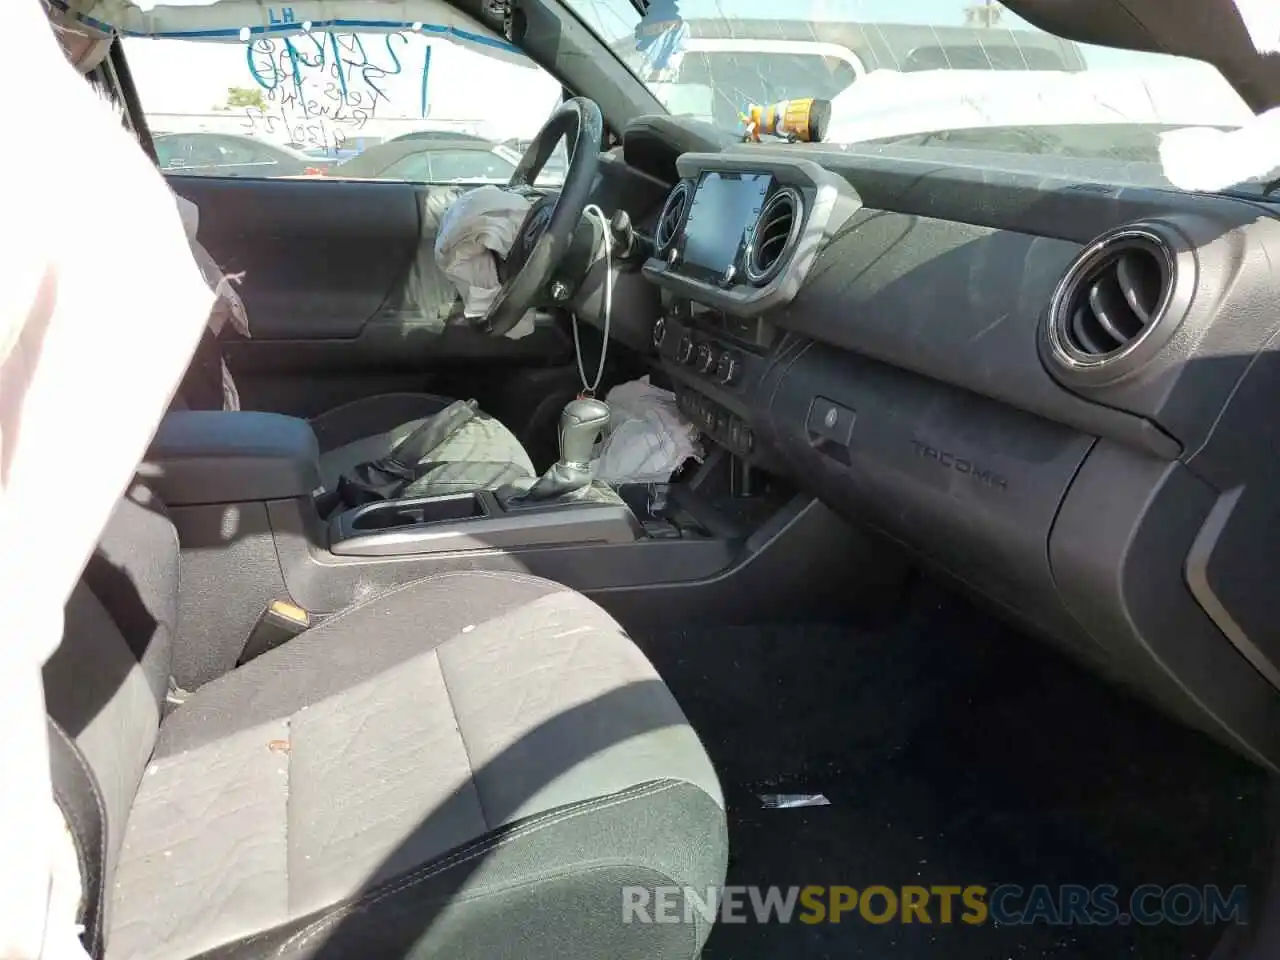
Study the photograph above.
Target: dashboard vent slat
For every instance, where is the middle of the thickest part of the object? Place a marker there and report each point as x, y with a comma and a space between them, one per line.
1111, 310
774, 236
671, 219
1113, 298
1139, 289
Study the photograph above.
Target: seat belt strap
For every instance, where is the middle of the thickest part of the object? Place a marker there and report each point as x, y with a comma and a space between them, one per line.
431, 433
386, 477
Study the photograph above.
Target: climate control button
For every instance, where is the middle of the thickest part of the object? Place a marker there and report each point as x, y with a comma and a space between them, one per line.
707, 358
729, 368
684, 349
659, 332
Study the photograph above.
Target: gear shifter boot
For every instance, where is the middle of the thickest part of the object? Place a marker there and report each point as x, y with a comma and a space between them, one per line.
581, 424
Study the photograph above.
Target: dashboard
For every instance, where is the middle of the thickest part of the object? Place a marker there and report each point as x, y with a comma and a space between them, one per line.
1063, 395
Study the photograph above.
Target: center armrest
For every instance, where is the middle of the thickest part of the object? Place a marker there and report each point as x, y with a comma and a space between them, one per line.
212, 456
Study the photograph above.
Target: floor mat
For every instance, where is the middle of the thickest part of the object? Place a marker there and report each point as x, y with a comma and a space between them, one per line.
953, 751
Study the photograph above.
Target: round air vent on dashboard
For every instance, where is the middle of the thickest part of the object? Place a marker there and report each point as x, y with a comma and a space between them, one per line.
774, 236
1118, 302
672, 217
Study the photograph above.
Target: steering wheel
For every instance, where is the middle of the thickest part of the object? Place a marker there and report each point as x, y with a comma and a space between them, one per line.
548, 228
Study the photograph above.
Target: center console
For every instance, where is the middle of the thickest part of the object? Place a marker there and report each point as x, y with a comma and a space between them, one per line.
244, 492
715, 362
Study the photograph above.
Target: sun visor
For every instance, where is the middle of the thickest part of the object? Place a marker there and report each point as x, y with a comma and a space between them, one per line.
238, 21
1230, 34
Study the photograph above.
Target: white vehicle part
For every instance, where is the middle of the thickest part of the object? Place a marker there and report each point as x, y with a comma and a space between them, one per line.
1200, 159
793, 48
886, 103
77, 319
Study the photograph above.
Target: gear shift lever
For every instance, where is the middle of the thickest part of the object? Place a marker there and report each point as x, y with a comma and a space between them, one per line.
581, 423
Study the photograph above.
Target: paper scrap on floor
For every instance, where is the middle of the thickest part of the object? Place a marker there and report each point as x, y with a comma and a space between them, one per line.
649, 439
786, 801
480, 224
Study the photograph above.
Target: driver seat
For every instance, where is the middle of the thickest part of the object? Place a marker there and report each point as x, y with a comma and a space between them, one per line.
482, 454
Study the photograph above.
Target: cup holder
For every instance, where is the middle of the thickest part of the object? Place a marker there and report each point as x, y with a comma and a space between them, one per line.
390, 514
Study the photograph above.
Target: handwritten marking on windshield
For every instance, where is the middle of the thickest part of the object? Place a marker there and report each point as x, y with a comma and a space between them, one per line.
275, 61
323, 87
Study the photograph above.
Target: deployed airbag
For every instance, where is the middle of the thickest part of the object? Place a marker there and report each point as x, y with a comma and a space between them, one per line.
482, 224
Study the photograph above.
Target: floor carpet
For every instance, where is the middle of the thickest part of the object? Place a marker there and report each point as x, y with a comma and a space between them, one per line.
954, 751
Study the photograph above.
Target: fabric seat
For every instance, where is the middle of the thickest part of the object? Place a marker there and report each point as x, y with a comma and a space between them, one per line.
482, 455
474, 765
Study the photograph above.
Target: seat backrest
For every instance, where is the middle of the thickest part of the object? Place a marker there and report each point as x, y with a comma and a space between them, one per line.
106, 684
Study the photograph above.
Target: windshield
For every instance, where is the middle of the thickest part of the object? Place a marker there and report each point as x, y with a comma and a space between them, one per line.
966, 76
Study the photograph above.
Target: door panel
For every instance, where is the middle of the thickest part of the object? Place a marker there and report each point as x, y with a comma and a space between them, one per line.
319, 258
325, 267
339, 277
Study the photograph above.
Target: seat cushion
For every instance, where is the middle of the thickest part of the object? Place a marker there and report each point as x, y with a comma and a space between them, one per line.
482, 455
475, 764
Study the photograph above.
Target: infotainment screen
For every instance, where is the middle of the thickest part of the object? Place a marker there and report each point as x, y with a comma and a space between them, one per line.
725, 205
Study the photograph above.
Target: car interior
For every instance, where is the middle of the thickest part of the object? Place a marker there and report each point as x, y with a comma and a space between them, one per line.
373, 666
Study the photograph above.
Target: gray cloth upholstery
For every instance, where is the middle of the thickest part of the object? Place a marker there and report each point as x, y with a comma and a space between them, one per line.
473, 765
106, 682
482, 455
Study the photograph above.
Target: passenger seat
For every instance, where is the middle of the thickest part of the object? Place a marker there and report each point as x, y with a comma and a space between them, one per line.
473, 765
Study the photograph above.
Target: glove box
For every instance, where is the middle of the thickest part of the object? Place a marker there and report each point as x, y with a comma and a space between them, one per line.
968, 484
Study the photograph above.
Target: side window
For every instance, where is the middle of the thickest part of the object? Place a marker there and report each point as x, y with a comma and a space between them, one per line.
285, 101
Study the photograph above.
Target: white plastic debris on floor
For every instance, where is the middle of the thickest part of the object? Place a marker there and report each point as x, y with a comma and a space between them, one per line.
649, 439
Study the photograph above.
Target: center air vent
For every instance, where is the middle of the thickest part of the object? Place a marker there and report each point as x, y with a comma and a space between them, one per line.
1116, 304
672, 217
774, 236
